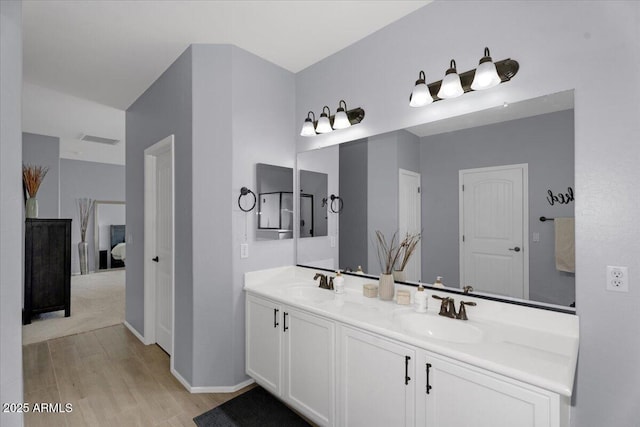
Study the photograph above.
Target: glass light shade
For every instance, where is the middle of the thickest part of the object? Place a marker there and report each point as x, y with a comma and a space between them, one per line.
486, 76
341, 121
307, 128
451, 86
420, 96
324, 126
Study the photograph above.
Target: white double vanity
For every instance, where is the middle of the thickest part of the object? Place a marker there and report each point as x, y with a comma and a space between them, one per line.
348, 360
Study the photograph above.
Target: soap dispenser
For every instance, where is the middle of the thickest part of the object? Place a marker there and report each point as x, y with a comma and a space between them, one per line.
338, 283
438, 283
359, 271
420, 299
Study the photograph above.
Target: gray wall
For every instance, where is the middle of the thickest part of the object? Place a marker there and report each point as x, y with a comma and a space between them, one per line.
353, 238
541, 36
97, 181
269, 139
545, 142
202, 99
387, 153
11, 218
382, 192
44, 150
164, 109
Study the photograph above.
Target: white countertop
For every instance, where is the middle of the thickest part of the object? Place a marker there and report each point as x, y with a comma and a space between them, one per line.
536, 346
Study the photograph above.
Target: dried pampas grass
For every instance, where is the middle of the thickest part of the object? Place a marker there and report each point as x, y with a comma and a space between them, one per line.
32, 177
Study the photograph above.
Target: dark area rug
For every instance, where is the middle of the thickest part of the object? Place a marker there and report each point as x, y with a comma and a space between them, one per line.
254, 408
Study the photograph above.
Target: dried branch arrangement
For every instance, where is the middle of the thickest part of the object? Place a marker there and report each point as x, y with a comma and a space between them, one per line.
407, 247
388, 252
32, 177
85, 206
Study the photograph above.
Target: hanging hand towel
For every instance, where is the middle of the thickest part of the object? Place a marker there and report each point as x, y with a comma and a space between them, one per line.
565, 244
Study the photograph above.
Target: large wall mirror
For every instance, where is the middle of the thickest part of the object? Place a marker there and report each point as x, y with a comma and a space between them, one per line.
274, 202
109, 231
476, 186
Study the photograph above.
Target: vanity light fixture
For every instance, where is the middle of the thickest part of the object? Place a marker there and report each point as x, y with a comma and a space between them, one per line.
420, 96
451, 86
487, 75
341, 121
326, 123
308, 129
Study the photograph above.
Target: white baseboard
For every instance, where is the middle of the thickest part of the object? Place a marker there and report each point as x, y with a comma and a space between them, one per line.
194, 390
134, 332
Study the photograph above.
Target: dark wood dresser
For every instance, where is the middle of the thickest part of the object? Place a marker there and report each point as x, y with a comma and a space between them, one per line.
47, 267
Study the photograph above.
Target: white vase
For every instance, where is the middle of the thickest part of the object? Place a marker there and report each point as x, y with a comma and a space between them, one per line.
386, 287
31, 208
399, 276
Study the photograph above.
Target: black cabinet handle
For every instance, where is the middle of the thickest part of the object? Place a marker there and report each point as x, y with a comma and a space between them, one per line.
156, 259
275, 317
285, 321
428, 367
407, 378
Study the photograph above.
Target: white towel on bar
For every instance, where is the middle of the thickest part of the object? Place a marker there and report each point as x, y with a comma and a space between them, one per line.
565, 244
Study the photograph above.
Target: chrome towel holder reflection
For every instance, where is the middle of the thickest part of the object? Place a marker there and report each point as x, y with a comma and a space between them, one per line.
243, 192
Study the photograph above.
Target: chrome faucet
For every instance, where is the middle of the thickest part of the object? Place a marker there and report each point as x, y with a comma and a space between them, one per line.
325, 283
448, 308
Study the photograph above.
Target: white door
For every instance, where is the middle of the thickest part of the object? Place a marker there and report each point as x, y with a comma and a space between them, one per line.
409, 219
493, 230
376, 381
164, 250
306, 215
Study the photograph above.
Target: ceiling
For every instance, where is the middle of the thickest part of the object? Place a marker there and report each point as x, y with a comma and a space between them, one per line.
111, 51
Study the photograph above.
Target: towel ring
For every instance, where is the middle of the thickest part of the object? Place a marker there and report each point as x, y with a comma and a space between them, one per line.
243, 192
340, 203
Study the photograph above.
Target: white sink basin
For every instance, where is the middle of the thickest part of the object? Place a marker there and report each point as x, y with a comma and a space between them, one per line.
311, 294
438, 327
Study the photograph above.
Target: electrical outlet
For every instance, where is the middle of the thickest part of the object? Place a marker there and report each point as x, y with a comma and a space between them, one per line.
333, 241
244, 250
617, 278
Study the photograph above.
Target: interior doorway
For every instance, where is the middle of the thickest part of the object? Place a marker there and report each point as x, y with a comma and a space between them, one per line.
409, 218
159, 245
494, 218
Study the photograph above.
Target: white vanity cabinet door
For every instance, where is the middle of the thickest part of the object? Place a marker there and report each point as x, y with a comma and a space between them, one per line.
376, 381
309, 352
264, 343
463, 396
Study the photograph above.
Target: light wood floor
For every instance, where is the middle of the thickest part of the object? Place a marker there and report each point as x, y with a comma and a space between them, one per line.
111, 379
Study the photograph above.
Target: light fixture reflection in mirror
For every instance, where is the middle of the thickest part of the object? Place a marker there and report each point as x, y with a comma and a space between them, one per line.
538, 133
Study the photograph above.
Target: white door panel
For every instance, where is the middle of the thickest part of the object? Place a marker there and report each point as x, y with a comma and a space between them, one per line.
409, 219
493, 224
164, 250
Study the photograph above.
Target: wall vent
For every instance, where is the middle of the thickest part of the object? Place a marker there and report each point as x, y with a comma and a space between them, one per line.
99, 139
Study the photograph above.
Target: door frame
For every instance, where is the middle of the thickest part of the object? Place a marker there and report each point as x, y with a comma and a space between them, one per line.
150, 191
418, 254
525, 219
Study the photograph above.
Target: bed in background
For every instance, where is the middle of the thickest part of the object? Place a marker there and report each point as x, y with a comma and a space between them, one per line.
117, 235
